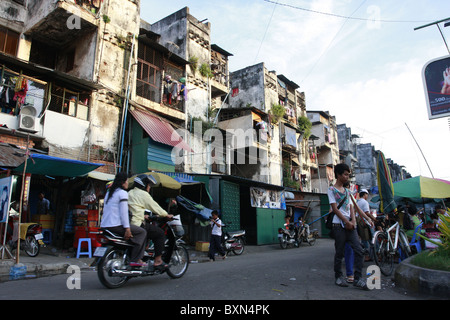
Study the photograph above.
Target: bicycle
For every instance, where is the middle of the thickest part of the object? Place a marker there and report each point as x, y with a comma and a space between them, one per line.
385, 248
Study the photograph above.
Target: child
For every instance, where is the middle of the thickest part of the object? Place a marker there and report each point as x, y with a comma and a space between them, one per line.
216, 237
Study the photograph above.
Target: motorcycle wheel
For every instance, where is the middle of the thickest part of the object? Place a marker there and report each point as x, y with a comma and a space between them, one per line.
31, 246
179, 262
239, 249
283, 241
311, 239
113, 258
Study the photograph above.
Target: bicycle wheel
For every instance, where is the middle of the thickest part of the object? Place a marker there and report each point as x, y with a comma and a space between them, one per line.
404, 245
383, 258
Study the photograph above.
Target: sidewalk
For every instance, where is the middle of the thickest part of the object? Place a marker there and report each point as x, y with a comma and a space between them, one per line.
51, 261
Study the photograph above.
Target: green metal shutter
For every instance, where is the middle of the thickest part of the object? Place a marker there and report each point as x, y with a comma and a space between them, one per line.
230, 204
267, 223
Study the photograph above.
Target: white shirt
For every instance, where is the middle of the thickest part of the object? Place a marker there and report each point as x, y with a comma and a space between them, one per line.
115, 210
363, 205
335, 196
216, 230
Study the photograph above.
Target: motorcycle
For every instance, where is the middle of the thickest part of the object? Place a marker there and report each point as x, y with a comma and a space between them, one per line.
306, 234
30, 235
233, 241
113, 267
288, 235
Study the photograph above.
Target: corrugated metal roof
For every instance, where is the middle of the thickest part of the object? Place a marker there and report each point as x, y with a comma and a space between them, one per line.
159, 130
10, 156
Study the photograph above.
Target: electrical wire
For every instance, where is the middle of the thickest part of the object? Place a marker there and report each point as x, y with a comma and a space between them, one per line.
344, 17
331, 42
267, 28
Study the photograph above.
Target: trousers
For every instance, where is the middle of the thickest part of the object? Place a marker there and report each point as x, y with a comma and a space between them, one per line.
215, 245
156, 234
138, 239
341, 236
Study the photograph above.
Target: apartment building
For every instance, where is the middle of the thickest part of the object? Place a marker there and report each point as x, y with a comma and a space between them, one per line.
65, 67
261, 118
325, 147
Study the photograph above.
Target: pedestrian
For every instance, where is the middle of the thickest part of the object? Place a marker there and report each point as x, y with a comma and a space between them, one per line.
215, 243
344, 228
43, 206
365, 230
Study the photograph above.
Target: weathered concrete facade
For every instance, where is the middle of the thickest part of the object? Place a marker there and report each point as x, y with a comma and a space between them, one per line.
327, 149
275, 142
77, 57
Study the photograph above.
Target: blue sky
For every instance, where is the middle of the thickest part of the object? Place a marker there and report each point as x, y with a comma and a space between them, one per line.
365, 70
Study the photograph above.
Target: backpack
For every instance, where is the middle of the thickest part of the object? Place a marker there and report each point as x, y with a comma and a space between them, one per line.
407, 222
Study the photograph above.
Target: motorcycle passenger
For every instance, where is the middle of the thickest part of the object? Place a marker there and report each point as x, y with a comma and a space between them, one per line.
139, 199
115, 218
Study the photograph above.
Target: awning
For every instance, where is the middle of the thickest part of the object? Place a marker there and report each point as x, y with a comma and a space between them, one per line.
56, 167
159, 130
101, 176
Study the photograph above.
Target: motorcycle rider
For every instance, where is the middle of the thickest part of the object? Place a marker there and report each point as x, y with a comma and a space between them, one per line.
115, 218
139, 199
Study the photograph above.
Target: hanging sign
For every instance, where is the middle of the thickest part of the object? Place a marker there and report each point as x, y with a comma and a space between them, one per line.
436, 81
263, 198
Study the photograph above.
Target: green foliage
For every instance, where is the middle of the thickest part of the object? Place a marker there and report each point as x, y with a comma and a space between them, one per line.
193, 63
277, 112
444, 227
205, 70
106, 19
305, 125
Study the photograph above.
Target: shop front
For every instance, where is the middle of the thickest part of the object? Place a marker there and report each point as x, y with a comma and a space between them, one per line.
59, 194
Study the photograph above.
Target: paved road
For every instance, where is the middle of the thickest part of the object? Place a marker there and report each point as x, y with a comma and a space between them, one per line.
265, 274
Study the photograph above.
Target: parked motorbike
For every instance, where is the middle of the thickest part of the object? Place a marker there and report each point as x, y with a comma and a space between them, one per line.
113, 267
30, 235
288, 235
306, 234
233, 241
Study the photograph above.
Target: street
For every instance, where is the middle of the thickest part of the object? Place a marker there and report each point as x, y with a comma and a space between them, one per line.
267, 274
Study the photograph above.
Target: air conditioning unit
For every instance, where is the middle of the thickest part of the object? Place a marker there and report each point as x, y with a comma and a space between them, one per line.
28, 120
28, 123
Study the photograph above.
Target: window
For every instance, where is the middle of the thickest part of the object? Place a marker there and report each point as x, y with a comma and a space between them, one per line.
69, 102
148, 84
17, 91
8, 41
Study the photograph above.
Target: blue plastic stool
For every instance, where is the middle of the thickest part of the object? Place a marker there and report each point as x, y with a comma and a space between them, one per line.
48, 235
89, 252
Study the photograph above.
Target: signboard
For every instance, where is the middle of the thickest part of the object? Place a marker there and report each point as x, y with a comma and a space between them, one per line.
5, 196
436, 80
263, 198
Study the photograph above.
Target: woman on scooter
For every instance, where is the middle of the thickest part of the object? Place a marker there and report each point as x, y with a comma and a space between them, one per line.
116, 219
139, 200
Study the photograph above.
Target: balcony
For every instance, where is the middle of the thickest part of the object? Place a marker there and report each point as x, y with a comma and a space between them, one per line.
63, 23
246, 127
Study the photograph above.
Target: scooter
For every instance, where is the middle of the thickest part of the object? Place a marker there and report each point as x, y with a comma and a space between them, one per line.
233, 241
113, 267
306, 234
288, 235
30, 235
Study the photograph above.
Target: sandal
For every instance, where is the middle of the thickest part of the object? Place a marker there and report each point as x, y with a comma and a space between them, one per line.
161, 267
350, 279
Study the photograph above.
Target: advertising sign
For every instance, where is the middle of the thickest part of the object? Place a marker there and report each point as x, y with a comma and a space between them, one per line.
436, 80
5, 194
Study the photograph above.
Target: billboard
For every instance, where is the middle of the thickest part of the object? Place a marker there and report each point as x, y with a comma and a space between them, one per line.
436, 81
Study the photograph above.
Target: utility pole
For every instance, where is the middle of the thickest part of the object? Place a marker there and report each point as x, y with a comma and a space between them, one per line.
439, 28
